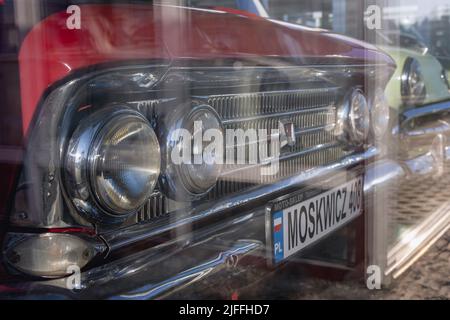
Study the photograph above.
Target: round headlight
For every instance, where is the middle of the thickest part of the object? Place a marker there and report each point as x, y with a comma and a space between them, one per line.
124, 168
412, 83
113, 163
380, 113
198, 172
359, 117
200, 177
353, 119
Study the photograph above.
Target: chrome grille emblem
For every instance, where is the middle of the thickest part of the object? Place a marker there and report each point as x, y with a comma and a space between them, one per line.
287, 133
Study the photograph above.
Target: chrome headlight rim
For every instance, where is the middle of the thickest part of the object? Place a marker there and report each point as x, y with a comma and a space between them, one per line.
380, 118
80, 163
93, 161
174, 179
412, 95
347, 129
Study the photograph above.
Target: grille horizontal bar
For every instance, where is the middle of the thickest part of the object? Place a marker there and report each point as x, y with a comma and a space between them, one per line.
246, 176
270, 103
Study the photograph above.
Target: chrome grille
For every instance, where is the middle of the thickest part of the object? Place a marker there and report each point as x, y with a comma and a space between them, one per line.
155, 207
313, 114
237, 106
243, 178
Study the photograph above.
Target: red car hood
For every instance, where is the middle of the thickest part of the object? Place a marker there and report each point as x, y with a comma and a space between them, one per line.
129, 32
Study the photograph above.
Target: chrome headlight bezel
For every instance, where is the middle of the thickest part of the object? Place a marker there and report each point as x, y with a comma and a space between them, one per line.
175, 180
413, 87
380, 114
353, 119
82, 157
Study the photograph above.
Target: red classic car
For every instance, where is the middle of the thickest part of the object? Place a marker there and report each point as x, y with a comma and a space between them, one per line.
90, 182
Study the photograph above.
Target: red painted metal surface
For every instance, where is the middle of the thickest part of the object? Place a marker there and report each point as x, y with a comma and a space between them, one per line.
125, 32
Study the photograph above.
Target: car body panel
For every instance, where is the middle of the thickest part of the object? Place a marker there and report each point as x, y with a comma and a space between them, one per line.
117, 33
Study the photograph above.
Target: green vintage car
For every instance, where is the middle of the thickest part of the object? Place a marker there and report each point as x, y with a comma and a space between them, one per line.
420, 78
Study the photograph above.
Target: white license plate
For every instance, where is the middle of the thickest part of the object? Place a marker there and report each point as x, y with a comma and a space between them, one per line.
300, 219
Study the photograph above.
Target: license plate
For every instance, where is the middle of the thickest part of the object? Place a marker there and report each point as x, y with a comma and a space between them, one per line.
298, 220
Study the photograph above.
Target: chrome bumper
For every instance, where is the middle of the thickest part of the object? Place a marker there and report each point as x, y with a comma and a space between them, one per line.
226, 251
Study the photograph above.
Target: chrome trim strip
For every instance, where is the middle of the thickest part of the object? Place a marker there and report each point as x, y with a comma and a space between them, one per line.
278, 115
430, 109
283, 92
281, 158
362, 67
327, 128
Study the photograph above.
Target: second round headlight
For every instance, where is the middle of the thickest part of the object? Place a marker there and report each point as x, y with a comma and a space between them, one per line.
198, 178
359, 117
353, 119
195, 173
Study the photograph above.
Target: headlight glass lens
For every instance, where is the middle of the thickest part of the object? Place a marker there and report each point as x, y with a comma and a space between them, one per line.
125, 164
413, 84
199, 178
358, 117
380, 113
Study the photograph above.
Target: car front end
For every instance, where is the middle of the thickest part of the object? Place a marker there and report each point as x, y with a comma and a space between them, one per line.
107, 205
